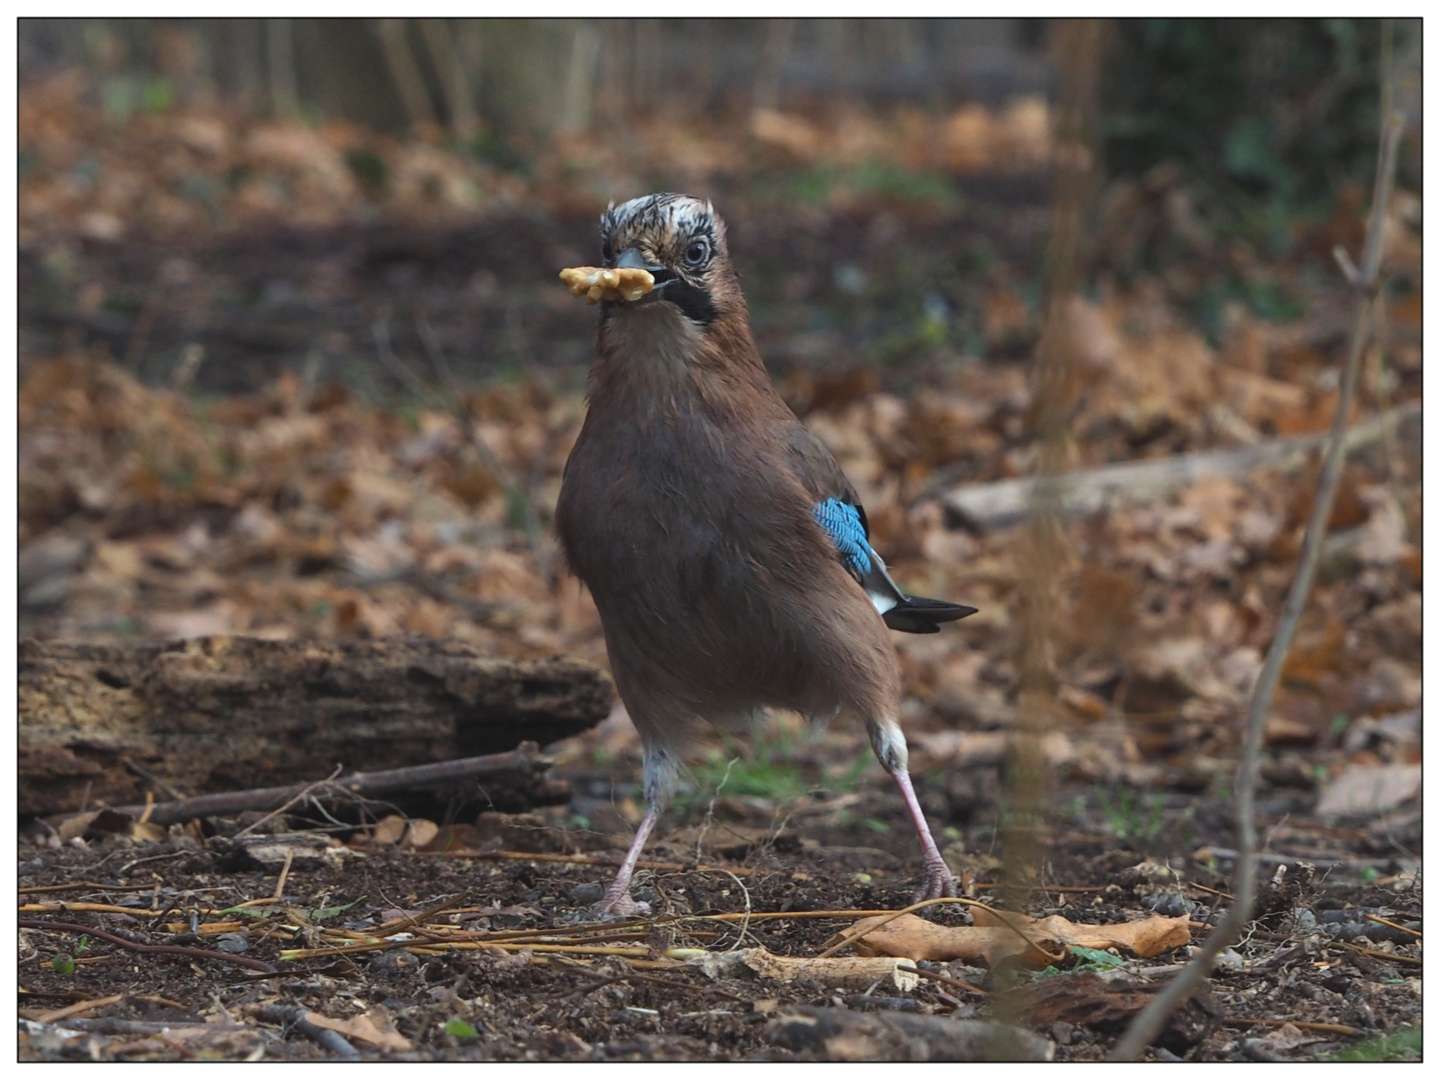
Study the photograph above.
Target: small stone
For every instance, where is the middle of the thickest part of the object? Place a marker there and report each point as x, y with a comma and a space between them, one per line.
588, 892
232, 943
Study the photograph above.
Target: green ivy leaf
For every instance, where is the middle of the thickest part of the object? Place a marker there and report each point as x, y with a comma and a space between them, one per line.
1096, 957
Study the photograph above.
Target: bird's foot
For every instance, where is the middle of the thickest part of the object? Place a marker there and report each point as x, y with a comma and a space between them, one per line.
938, 882
619, 906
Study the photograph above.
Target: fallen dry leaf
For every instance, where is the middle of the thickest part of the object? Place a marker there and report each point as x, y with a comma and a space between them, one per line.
1370, 789
422, 833
374, 1027
388, 830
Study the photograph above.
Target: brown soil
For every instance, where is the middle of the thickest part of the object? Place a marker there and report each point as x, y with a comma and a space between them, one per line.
1314, 960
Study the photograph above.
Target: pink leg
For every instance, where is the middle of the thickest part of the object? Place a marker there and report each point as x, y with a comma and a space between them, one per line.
938, 880
617, 899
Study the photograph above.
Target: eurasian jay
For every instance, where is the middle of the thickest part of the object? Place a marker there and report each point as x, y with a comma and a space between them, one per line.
726, 551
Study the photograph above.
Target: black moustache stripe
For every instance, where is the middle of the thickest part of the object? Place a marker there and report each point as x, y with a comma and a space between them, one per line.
695, 304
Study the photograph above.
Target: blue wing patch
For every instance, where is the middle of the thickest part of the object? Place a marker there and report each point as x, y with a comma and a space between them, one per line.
842, 522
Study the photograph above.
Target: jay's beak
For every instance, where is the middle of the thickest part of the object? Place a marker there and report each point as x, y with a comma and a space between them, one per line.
632, 259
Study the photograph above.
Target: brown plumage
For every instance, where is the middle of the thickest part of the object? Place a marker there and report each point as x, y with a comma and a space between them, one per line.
689, 509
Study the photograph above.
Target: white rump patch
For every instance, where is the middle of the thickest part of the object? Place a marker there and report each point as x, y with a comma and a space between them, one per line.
882, 602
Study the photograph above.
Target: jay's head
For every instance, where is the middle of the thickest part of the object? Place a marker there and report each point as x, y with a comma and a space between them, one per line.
681, 241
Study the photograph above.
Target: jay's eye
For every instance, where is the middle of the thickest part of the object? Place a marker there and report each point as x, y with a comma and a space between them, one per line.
697, 253
607, 252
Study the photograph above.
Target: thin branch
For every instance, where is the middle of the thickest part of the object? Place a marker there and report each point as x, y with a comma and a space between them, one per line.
1148, 1023
136, 946
1079, 46
526, 760
301, 794
1002, 503
111, 1025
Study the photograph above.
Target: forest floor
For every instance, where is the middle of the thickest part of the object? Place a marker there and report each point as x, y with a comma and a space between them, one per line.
1317, 975
269, 386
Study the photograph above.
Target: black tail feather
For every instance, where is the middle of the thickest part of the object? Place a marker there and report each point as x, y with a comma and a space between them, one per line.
919, 615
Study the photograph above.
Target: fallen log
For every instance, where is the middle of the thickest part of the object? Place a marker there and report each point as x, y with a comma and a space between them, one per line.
98, 724
1130, 483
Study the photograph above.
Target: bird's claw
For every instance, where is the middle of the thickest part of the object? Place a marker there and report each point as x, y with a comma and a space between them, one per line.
937, 883
623, 906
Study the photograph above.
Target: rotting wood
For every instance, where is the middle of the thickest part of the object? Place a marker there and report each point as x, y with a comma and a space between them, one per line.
227, 713
1130, 483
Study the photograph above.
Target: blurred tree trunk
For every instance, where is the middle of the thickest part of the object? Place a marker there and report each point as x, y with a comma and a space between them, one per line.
342, 57
649, 64
616, 68
706, 69
470, 44
455, 83
577, 106
779, 34
280, 60
517, 76
243, 50
405, 73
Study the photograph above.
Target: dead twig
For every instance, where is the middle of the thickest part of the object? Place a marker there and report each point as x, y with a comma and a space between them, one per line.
595, 860
155, 781
110, 1025
70, 886
135, 946
525, 760
279, 893
101, 909
300, 796
52, 1015
1147, 1024
1003, 503
429, 913
1303, 1025
438, 944
1393, 925
935, 976
1381, 954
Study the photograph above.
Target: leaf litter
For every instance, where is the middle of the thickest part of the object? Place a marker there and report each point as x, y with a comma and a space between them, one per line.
163, 502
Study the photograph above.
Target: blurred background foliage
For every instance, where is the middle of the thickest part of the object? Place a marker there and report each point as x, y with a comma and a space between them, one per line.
1281, 109
1226, 145
1277, 110
294, 360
